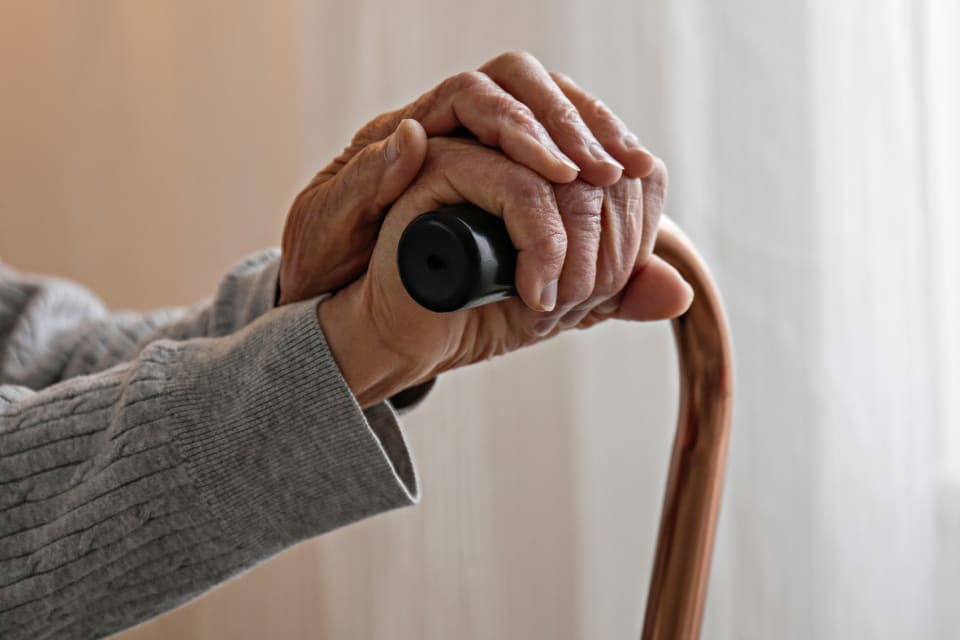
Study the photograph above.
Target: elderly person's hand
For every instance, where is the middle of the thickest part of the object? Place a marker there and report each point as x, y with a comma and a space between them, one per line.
539, 119
581, 259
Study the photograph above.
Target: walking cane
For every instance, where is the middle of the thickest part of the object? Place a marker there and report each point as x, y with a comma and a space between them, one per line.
461, 256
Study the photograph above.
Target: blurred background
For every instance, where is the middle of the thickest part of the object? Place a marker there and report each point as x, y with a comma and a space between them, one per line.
814, 151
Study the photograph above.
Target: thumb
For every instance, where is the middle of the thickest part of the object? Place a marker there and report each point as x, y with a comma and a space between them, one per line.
377, 175
656, 292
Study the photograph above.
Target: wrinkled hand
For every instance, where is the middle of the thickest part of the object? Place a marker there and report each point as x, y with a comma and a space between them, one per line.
584, 256
538, 119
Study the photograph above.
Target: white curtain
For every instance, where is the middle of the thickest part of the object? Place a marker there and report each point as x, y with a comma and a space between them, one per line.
814, 151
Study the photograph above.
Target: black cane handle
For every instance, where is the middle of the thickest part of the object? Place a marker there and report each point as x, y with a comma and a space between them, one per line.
457, 257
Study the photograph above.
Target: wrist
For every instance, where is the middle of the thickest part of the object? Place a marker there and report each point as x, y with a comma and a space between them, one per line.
372, 369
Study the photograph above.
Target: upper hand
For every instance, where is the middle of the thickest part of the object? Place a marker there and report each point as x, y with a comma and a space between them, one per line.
540, 120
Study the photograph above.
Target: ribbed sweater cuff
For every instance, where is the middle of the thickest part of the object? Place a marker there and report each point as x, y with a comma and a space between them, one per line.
275, 440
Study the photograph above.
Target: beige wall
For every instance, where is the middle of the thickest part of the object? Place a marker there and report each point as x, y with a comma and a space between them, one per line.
146, 146
136, 135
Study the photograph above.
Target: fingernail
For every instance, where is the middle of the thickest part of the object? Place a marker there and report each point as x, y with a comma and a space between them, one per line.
573, 318
631, 141
562, 157
392, 151
548, 296
607, 307
601, 154
690, 293
545, 326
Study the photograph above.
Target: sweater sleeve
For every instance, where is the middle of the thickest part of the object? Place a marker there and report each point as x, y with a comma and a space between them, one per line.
129, 490
52, 329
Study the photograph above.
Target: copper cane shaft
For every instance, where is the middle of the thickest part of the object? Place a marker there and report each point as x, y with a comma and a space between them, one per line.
688, 521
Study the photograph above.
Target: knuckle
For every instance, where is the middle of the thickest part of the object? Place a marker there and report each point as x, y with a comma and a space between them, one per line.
659, 178
612, 276
502, 62
366, 162
464, 81
655, 192
564, 117
580, 288
562, 78
551, 246
526, 187
596, 110
510, 109
611, 279
518, 57
625, 198
651, 217
580, 199
632, 214
619, 254
347, 181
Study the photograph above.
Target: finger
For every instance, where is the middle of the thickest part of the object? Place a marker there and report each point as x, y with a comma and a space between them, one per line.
610, 130
472, 101
536, 230
656, 292
524, 200
654, 196
580, 206
621, 219
377, 175
497, 119
353, 202
524, 77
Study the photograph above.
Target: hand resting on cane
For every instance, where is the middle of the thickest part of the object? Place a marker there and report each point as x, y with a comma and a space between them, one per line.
584, 256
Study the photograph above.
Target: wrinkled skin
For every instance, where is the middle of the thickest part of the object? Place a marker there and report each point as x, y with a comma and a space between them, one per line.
385, 342
541, 120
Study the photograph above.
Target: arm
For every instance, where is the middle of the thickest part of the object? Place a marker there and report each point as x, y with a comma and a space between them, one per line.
131, 491
52, 330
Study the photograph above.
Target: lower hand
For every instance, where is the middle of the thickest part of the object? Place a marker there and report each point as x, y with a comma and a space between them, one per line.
584, 256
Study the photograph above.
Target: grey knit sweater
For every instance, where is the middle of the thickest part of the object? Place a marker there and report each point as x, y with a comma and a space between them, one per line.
146, 458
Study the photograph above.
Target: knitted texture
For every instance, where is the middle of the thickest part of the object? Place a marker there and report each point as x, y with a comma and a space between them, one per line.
144, 458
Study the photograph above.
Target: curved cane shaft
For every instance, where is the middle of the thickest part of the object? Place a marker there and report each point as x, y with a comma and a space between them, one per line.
691, 504
462, 256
